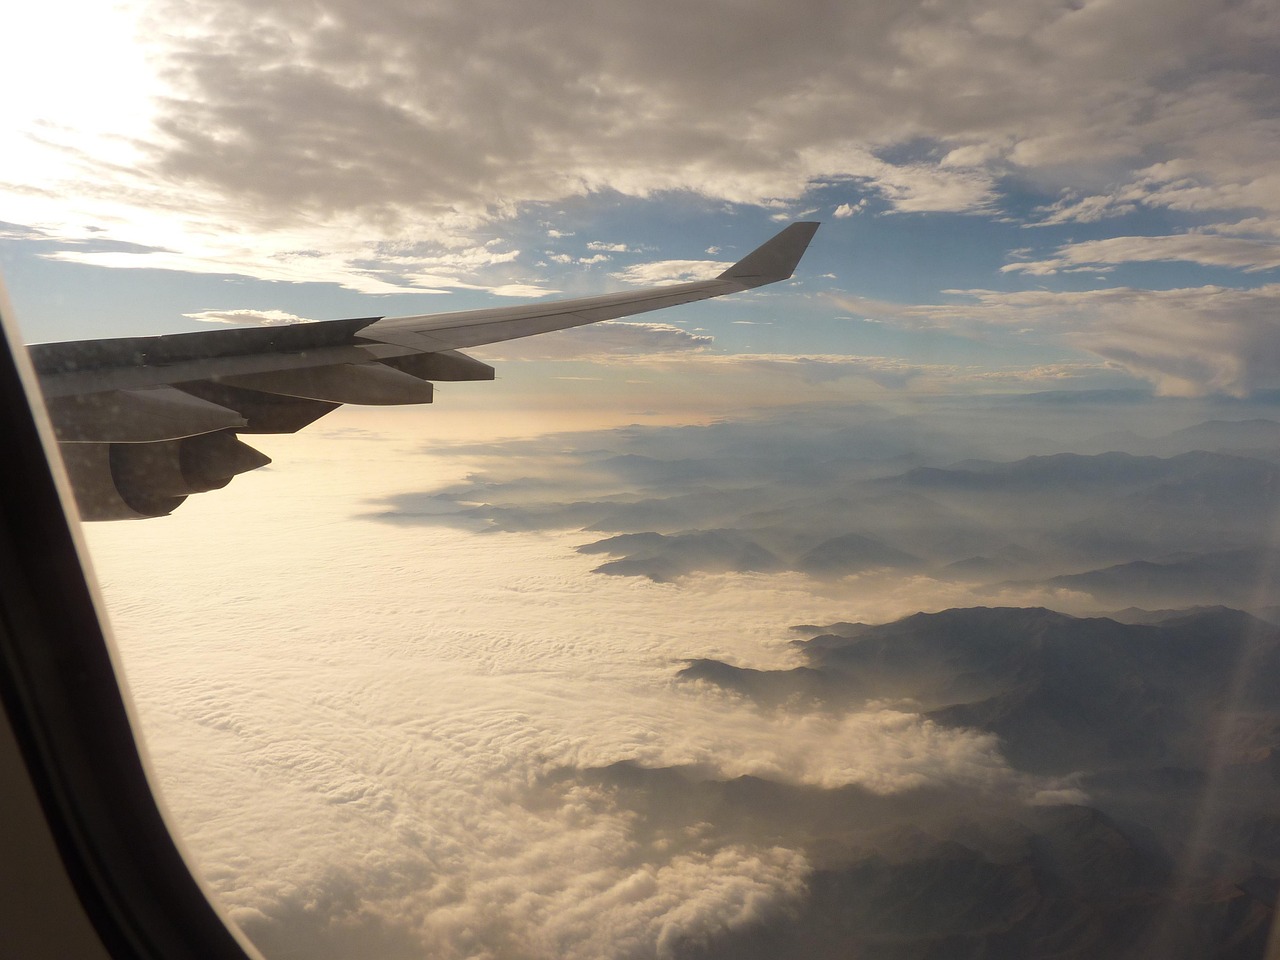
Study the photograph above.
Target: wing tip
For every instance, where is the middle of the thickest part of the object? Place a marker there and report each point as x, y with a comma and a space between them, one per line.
776, 258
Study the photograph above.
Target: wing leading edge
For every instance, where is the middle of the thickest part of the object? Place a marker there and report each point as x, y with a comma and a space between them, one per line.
146, 421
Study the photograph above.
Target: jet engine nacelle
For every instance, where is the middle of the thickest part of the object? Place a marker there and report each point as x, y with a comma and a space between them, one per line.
123, 481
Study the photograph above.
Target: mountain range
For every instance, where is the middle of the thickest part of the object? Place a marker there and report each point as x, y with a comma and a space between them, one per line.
1170, 728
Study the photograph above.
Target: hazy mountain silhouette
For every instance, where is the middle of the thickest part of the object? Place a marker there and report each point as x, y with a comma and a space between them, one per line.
1152, 720
1253, 438
664, 558
851, 553
833, 498
1076, 885
1242, 578
1063, 693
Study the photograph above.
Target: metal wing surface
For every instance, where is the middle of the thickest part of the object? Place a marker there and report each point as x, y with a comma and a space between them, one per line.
145, 421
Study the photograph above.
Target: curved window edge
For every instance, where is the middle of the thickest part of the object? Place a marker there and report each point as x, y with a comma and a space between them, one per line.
72, 723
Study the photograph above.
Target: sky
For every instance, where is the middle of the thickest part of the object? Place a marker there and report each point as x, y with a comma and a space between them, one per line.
1055, 193
397, 681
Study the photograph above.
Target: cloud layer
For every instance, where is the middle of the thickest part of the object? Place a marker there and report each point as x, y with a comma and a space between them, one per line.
408, 733
412, 766
1187, 341
299, 110
348, 126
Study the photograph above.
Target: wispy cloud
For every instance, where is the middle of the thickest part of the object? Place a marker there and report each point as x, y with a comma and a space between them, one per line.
1187, 341
610, 341
1208, 249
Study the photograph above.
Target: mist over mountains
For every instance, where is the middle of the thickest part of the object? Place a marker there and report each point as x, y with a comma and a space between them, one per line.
1144, 747
548, 702
974, 495
1170, 733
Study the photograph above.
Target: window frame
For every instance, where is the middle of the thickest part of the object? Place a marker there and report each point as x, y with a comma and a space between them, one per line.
72, 724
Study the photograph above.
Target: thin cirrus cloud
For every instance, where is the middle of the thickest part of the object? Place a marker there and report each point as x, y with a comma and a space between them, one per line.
602, 341
1187, 341
1207, 249
677, 352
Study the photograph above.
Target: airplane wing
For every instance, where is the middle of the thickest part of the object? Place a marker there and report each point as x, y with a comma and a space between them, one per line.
145, 421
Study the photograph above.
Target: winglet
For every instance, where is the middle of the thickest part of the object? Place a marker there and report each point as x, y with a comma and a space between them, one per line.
773, 260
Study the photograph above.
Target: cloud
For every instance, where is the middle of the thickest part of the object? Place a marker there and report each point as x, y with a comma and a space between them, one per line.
883, 371
381, 268
388, 746
688, 354
1187, 341
667, 272
608, 341
390, 760
1044, 375
350, 123
16, 231
266, 318
1206, 249
1074, 209
671, 351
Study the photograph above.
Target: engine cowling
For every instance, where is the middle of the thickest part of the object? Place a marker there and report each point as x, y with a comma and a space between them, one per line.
121, 481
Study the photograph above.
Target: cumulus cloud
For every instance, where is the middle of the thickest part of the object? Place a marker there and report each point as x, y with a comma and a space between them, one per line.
357, 120
265, 318
667, 272
621, 63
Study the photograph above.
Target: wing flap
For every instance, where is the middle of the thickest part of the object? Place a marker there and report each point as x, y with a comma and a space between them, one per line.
263, 412
446, 365
137, 416
370, 383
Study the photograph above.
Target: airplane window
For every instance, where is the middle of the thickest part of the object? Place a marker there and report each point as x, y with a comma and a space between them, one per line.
900, 587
